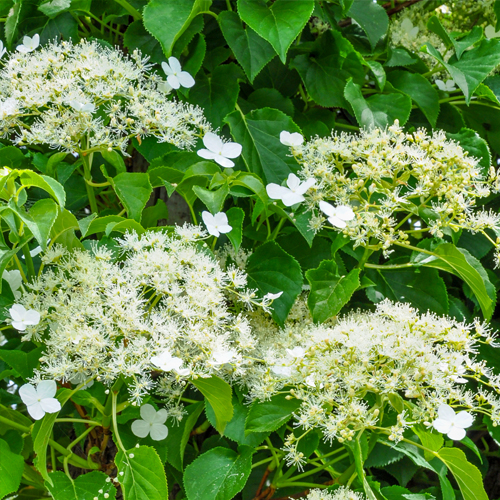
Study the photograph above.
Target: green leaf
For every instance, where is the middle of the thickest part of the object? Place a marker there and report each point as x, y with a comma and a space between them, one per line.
268, 416
434, 25
219, 395
115, 159
372, 18
235, 216
434, 441
86, 486
13, 157
167, 20
329, 291
379, 110
29, 178
460, 262
12, 22
474, 66
134, 191
23, 362
151, 215
11, 469
272, 270
218, 474
279, 24
7, 254
359, 448
250, 50
136, 37
420, 90
422, 288
39, 219
143, 474
217, 94
235, 429
467, 476
258, 132
213, 200
177, 441
475, 145
323, 71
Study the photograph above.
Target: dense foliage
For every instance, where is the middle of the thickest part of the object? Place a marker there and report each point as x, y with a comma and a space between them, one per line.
249, 249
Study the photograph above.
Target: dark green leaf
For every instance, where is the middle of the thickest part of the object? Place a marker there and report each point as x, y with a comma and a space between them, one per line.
235, 216
11, 469
86, 486
23, 362
475, 145
371, 17
268, 416
134, 191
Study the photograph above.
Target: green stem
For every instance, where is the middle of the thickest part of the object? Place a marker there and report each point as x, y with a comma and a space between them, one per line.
346, 126
262, 462
210, 13
79, 421
87, 166
394, 266
228, 3
131, 10
29, 262
114, 395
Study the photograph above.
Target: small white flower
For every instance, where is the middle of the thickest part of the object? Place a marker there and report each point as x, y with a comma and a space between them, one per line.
293, 193
21, 318
9, 107
447, 86
282, 371
29, 44
175, 76
216, 224
14, 279
151, 423
272, 296
81, 107
219, 151
222, 357
311, 381
409, 29
166, 362
3, 50
452, 424
296, 352
337, 216
40, 400
291, 139
490, 32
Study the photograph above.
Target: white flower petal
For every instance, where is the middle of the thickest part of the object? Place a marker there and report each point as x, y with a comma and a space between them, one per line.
275, 191
17, 312
293, 182
36, 411
158, 432
290, 198
337, 222
213, 142
446, 412
185, 79
32, 317
208, 218
464, 419
28, 394
19, 325
148, 413
50, 405
344, 212
173, 81
141, 428
220, 218
161, 416
224, 162
456, 433
13, 278
306, 185
46, 389
174, 64
231, 150
208, 155
326, 208
166, 68
442, 425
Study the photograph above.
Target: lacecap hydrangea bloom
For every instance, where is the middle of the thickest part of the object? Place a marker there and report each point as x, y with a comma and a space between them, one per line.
348, 373
341, 493
161, 303
397, 184
89, 97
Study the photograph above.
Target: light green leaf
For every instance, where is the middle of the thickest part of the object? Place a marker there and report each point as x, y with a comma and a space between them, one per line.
329, 291
372, 18
29, 178
11, 469
379, 110
12, 22
474, 66
143, 474
359, 448
167, 20
272, 270
217, 94
23, 362
213, 200
219, 395
420, 90
268, 416
218, 474
467, 476
235, 216
115, 159
100, 224
134, 191
39, 219
279, 24
258, 132
6, 254
250, 50
460, 262
434, 441
84, 487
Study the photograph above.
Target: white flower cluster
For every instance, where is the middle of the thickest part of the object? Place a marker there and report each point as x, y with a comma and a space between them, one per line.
88, 97
341, 493
390, 180
164, 306
409, 28
410, 367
